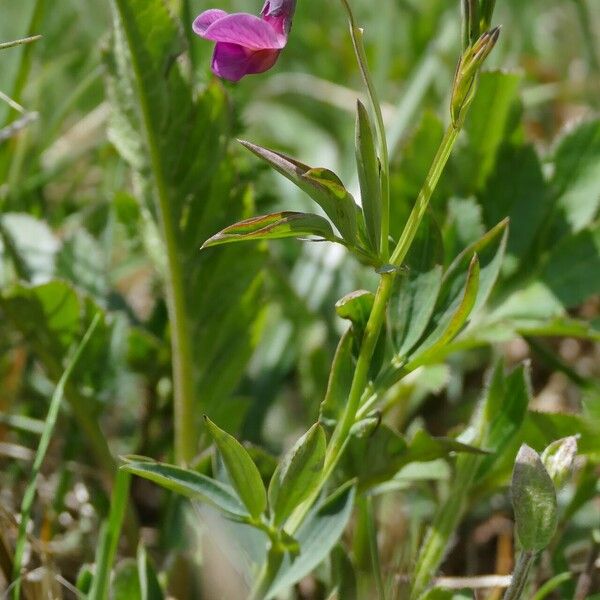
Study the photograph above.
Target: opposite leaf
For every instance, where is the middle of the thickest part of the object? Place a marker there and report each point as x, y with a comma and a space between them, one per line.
297, 474
244, 474
368, 175
274, 226
534, 501
190, 484
323, 186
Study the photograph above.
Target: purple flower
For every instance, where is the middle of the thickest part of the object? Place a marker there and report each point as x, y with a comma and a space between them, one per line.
246, 44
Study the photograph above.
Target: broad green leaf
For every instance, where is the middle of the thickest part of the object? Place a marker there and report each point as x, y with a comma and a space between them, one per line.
317, 535
242, 471
297, 474
323, 186
516, 189
368, 175
576, 179
488, 121
534, 501
416, 292
273, 227
340, 381
189, 484
425, 448
29, 245
572, 270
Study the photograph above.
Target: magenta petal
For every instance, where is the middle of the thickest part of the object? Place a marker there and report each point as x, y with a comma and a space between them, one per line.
204, 20
245, 30
232, 61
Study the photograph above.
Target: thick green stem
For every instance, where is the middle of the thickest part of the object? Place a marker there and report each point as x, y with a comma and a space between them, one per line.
519, 578
183, 372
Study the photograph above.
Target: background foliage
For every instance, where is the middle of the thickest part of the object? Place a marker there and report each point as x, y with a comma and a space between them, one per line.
80, 234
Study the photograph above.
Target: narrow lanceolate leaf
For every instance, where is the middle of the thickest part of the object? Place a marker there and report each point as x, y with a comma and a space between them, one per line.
322, 185
189, 484
318, 534
449, 323
274, 226
368, 175
244, 474
534, 501
297, 474
340, 381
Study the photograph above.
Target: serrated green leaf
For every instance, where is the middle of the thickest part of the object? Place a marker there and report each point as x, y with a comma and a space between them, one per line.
317, 535
297, 474
534, 501
516, 189
576, 179
189, 484
272, 227
368, 175
242, 471
572, 270
175, 136
323, 186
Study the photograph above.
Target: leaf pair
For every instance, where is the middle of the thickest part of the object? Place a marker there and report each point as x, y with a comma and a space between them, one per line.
327, 190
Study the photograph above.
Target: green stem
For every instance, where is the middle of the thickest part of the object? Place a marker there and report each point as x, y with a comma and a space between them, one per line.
444, 524
418, 211
356, 34
341, 434
589, 37
183, 372
267, 574
519, 578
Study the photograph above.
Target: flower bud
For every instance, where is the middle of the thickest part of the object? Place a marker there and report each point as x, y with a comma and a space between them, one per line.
534, 501
464, 87
558, 459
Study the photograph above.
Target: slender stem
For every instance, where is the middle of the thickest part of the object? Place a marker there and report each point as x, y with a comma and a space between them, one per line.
374, 549
183, 372
519, 578
444, 524
418, 211
267, 574
589, 37
356, 33
27, 40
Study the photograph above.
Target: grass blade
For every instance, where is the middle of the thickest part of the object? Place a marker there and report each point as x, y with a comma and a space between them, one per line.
49, 425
